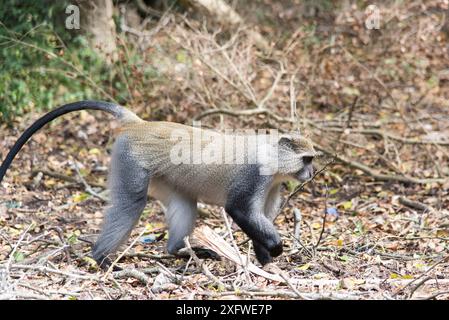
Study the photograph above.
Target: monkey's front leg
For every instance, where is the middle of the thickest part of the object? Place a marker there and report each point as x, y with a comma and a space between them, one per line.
246, 205
271, 210
260, 229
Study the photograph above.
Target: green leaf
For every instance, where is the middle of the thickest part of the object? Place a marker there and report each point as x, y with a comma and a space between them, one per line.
18, 256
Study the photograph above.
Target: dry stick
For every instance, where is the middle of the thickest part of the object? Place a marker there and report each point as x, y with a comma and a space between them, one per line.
380, 133
214, 69
297, 293
283, 294
208, 238
375, 132
423, 274
435, 295
87, 187
379, 176
23, 285
66, 247
415, 205
302, 245
297, 233
301, 186
274, 85
250, 112
133, 273
234, 244
324, 220
418, 285
13, 251
151, 256
201, 264
245, 83
335, 283
123, 253
63, 177
293, 110
20, 294
351, 110
375, 153
44, 269
435, 143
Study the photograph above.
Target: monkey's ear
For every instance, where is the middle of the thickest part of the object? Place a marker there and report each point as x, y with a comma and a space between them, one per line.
285, 140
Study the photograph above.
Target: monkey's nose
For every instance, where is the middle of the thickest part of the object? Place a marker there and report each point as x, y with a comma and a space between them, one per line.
307, 160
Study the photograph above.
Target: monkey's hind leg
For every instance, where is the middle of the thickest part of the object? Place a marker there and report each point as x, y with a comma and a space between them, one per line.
181, 214
128, 183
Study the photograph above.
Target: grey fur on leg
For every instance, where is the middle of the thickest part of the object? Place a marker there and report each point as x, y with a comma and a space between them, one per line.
271, 211
128, 183
181, 216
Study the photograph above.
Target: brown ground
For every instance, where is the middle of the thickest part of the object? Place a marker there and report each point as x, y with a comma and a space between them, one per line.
375, 246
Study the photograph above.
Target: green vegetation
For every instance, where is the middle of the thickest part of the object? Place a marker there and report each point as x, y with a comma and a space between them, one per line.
43, 64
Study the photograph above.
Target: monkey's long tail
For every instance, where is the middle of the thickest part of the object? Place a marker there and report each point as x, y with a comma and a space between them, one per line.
119, 112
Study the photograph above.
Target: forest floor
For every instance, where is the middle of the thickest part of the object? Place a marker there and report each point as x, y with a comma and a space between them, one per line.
373, 225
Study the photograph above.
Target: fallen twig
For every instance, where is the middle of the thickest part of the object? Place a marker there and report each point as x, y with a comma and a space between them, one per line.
204, 268
63, 177
415, 205
87, 187
133, 273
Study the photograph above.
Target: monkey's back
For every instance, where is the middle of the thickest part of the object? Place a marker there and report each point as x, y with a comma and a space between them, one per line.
152, 144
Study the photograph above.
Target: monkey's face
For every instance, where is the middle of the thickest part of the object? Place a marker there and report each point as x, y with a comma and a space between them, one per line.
297, 157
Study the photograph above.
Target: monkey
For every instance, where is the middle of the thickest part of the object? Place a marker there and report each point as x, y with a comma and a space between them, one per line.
143, 162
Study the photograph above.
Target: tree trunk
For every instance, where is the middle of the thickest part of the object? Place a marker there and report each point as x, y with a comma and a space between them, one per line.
98, 25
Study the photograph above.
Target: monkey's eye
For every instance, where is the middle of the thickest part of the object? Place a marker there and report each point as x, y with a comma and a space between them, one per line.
307, 160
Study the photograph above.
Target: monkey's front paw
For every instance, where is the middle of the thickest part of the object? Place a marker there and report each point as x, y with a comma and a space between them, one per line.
204, 253
276, 250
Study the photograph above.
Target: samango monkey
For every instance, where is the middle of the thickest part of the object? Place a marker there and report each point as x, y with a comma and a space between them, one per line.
142, 160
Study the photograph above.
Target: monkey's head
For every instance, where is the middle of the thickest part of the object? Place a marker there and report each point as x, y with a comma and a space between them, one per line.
296, 154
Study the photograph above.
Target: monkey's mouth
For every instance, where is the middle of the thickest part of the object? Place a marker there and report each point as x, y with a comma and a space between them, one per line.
305, 173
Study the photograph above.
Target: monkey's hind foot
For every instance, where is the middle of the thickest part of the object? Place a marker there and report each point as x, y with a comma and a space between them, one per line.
204, 253
201, 253
105, 263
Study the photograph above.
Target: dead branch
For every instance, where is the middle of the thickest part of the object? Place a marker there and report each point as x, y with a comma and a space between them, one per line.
234, 244
380, 133
297, 293
248, 112
297, 232
224, 14
45, 269
376, 175
132, 273
201, 265
415, 204
20, 294
324, 221
87, 187
111, 267
301, 186
284, 294
150, 256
